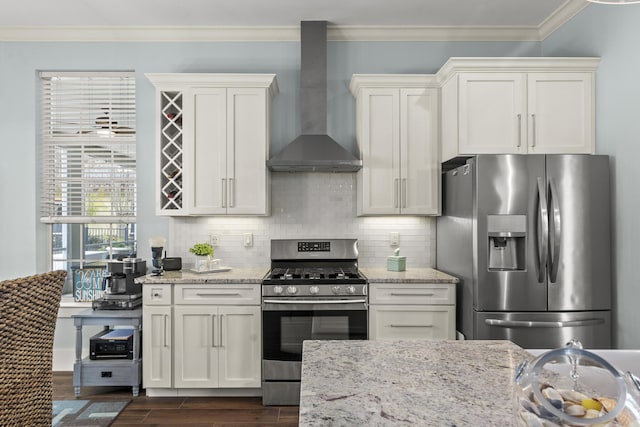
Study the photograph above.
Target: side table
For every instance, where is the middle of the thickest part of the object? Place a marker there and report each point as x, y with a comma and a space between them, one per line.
108, 372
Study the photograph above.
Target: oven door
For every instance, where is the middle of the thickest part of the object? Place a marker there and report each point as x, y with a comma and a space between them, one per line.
286, 323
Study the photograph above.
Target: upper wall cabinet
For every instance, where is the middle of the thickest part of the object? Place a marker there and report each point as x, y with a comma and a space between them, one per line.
517, 106
397, 131
213, 143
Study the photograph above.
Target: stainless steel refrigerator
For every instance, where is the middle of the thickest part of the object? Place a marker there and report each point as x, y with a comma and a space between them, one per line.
529, 238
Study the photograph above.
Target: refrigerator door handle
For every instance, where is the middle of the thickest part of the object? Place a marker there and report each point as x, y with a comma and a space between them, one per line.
556, 225
542, 324
543, 235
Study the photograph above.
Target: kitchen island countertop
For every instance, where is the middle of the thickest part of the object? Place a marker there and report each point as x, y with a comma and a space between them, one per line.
411, 275
233, 276
408, 382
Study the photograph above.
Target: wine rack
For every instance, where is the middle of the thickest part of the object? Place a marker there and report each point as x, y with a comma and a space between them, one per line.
171, 150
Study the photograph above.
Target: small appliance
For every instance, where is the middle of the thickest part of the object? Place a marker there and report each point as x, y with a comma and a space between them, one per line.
157, 247
111, 344
121, 292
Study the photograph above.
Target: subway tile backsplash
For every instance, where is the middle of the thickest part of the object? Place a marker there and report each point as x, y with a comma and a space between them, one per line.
307, 206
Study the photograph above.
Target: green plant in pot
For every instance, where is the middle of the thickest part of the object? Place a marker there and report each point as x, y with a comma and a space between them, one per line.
204, 253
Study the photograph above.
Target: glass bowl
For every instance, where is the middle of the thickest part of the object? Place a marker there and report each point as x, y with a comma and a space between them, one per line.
575, 387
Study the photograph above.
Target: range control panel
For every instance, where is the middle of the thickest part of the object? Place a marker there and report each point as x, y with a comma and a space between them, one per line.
314, 246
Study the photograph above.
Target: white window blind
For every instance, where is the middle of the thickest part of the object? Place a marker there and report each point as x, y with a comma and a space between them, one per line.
88, 147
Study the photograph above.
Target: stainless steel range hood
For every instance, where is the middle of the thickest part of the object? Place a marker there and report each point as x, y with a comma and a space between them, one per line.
314, 150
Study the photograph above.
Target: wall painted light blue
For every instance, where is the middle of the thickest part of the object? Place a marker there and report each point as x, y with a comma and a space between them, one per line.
612, 32
23, 247
603, 31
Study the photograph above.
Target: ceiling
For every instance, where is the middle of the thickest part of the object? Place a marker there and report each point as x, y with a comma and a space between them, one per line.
347, 15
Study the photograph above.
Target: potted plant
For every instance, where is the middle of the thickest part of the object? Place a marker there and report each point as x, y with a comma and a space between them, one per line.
203, 253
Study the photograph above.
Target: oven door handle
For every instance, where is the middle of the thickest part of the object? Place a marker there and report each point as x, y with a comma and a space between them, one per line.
318, 301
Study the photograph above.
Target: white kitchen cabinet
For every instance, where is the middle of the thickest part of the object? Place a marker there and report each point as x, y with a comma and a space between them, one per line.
411, 311
157, 346
517, 106
201, 336
217, 346
213, 143
397, 134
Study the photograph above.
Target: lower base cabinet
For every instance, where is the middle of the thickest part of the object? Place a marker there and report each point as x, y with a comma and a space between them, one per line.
201, 337
412, 311
216, 346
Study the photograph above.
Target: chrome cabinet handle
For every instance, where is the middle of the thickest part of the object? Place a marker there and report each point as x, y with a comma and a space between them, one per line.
164, 330
541, 324
210, 295
224, 192
213, 330
404, 192
221, 338
533, 130
396, 192
397, 294
232, 192
519, 130
410, 326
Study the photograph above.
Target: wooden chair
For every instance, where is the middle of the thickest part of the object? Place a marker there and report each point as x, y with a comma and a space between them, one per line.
28, 314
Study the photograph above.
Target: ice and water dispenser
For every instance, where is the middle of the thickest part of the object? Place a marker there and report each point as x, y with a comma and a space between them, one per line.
506, 237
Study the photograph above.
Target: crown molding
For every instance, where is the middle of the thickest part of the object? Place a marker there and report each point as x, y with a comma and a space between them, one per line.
290, 33
563, 15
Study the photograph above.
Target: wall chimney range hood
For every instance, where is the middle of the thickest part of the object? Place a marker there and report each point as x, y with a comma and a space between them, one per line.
314, 150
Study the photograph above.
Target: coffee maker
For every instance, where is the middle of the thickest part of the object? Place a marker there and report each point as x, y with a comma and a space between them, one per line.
157, 246
121, 292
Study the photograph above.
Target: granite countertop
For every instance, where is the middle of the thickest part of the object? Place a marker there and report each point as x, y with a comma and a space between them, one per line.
408, 382
234, 276
411, 275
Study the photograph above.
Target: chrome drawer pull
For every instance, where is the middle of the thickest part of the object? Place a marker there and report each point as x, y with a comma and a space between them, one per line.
396, 294
218, 295
411, 326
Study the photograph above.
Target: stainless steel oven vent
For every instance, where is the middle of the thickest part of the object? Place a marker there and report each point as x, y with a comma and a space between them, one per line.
314, 150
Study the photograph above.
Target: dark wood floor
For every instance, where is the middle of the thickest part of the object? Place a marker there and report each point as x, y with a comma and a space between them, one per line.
181, 411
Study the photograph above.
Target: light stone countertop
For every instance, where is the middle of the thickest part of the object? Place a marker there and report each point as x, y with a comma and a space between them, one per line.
234, 276
408, 382
411, 275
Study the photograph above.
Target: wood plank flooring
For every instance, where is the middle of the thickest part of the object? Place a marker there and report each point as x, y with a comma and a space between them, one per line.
181, 411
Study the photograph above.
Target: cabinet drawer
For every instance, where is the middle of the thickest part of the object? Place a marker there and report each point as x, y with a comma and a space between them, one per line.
411, 322
217, 294
412, 293
112, 373
156, 294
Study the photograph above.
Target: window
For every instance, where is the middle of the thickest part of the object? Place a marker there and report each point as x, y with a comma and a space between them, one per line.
88, 152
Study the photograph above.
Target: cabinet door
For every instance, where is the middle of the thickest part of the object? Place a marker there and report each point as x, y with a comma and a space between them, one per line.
491, 113
379, 140
411, 321
206, 150
240, 346
197, 340
248, 151
420, 164
156, 347
560, 108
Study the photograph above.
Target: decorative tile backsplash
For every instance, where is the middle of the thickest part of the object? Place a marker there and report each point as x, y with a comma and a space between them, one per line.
307, 206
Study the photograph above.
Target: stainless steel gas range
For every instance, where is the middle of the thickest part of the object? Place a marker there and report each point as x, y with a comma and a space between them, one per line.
314, 291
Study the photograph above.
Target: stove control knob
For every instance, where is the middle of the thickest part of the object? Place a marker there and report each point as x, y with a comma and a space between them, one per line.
336, 290
314, 290
277, 290
292, 290
351, 290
